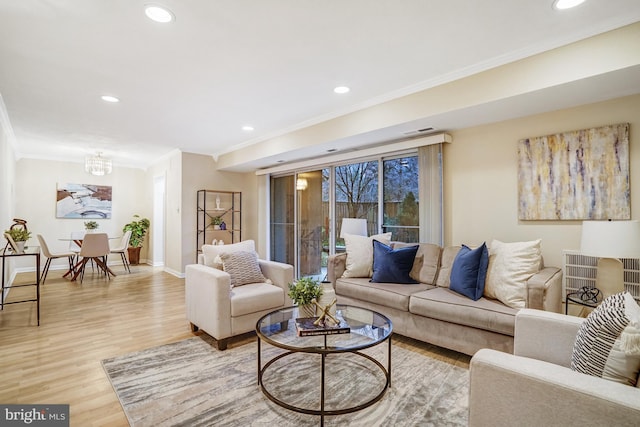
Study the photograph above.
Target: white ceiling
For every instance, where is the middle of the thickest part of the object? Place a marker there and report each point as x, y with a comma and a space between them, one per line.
192, 84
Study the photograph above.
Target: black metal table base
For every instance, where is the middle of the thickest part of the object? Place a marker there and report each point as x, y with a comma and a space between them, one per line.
323, 411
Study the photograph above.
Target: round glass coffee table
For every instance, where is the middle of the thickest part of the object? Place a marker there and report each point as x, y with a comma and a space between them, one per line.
367, 329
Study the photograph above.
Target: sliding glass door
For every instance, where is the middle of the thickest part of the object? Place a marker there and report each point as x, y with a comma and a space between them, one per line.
307, 208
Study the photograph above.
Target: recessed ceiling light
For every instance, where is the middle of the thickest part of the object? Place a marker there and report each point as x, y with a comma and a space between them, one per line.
109, 98
341, 89
566, 4
158, 13
247, 128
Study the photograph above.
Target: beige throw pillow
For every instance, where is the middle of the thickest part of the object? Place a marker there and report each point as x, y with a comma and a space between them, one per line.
243, 267
510, 267
360, 253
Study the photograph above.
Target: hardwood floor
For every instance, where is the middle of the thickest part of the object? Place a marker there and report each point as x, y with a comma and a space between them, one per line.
82, 324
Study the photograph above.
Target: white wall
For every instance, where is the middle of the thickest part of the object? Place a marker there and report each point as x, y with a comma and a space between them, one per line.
480, 177
7, 179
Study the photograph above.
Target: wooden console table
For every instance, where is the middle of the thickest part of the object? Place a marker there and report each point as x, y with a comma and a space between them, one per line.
33, 251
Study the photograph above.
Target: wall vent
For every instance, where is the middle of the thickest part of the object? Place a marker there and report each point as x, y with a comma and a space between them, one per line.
580, 270
418, 131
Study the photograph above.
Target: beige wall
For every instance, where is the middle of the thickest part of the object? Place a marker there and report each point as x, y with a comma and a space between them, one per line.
200, 173
7, 194
480, 177
36, 182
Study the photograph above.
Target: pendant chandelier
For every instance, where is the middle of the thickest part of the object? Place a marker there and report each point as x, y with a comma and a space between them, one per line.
97, 165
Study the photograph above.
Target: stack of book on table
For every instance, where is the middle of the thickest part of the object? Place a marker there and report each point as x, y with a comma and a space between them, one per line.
306, 327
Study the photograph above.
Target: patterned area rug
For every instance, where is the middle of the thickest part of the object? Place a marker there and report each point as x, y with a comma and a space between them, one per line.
191, 383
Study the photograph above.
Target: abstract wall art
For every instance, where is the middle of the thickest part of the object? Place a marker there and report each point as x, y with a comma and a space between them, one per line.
83, 201
578, 175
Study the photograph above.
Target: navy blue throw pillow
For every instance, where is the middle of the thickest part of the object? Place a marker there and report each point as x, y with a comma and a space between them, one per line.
469, 270
392, 265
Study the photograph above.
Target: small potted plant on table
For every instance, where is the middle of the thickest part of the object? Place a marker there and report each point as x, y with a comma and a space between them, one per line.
303, 291
216, 221
91, 226
19, 236
138, 230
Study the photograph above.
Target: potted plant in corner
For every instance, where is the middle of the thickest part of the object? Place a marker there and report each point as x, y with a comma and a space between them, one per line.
138, 230
19, 236
303, 291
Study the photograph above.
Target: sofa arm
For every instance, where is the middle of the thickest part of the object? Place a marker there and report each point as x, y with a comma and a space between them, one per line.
280, 274
545, 336
336, 265
544, 290
505, 390
208, 299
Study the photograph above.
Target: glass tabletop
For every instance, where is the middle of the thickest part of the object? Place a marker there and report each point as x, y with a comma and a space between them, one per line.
367, 328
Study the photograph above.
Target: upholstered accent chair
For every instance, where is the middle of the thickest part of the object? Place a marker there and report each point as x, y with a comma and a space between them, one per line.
536, 386
225, 305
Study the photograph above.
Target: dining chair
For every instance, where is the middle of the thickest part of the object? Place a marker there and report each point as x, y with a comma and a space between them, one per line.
95, 247
51, 256
121, 248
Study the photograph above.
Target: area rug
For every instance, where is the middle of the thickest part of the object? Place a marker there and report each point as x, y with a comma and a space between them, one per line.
191, 383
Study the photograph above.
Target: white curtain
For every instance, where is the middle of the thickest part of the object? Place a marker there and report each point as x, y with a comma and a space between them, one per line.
431, 227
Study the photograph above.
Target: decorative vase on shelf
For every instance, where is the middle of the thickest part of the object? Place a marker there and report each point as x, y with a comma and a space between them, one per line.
223, 226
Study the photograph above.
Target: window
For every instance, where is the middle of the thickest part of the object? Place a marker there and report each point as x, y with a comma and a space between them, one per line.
356, 195
400, 192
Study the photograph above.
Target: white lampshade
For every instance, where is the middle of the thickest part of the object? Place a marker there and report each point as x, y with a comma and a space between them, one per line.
611, 239
357, 226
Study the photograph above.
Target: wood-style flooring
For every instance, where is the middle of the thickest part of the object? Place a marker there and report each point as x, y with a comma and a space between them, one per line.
58, 362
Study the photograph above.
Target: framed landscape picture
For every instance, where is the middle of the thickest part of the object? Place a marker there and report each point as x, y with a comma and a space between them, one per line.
578, 175
83, 201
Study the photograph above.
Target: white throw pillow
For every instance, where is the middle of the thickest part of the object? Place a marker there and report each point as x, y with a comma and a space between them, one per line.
360, 253
608, 341
212, 252
510, 266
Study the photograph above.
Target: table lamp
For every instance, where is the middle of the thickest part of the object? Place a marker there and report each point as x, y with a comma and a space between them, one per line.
609, 241
357, 226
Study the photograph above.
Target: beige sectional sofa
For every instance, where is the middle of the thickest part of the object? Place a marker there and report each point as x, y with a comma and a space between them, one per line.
429, 311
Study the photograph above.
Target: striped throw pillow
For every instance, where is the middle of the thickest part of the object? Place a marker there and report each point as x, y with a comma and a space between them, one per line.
608, 341
243, 267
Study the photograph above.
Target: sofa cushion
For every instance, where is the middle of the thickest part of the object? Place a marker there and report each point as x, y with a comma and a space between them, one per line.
360, 253
392, 295
469, 271
427, 262
212, 252
393, 265
510, 266
608, 342
255, 297
448, 256
243, 268
446, 305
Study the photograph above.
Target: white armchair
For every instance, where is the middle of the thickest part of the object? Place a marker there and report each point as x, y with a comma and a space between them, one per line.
535, 386
223, 312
